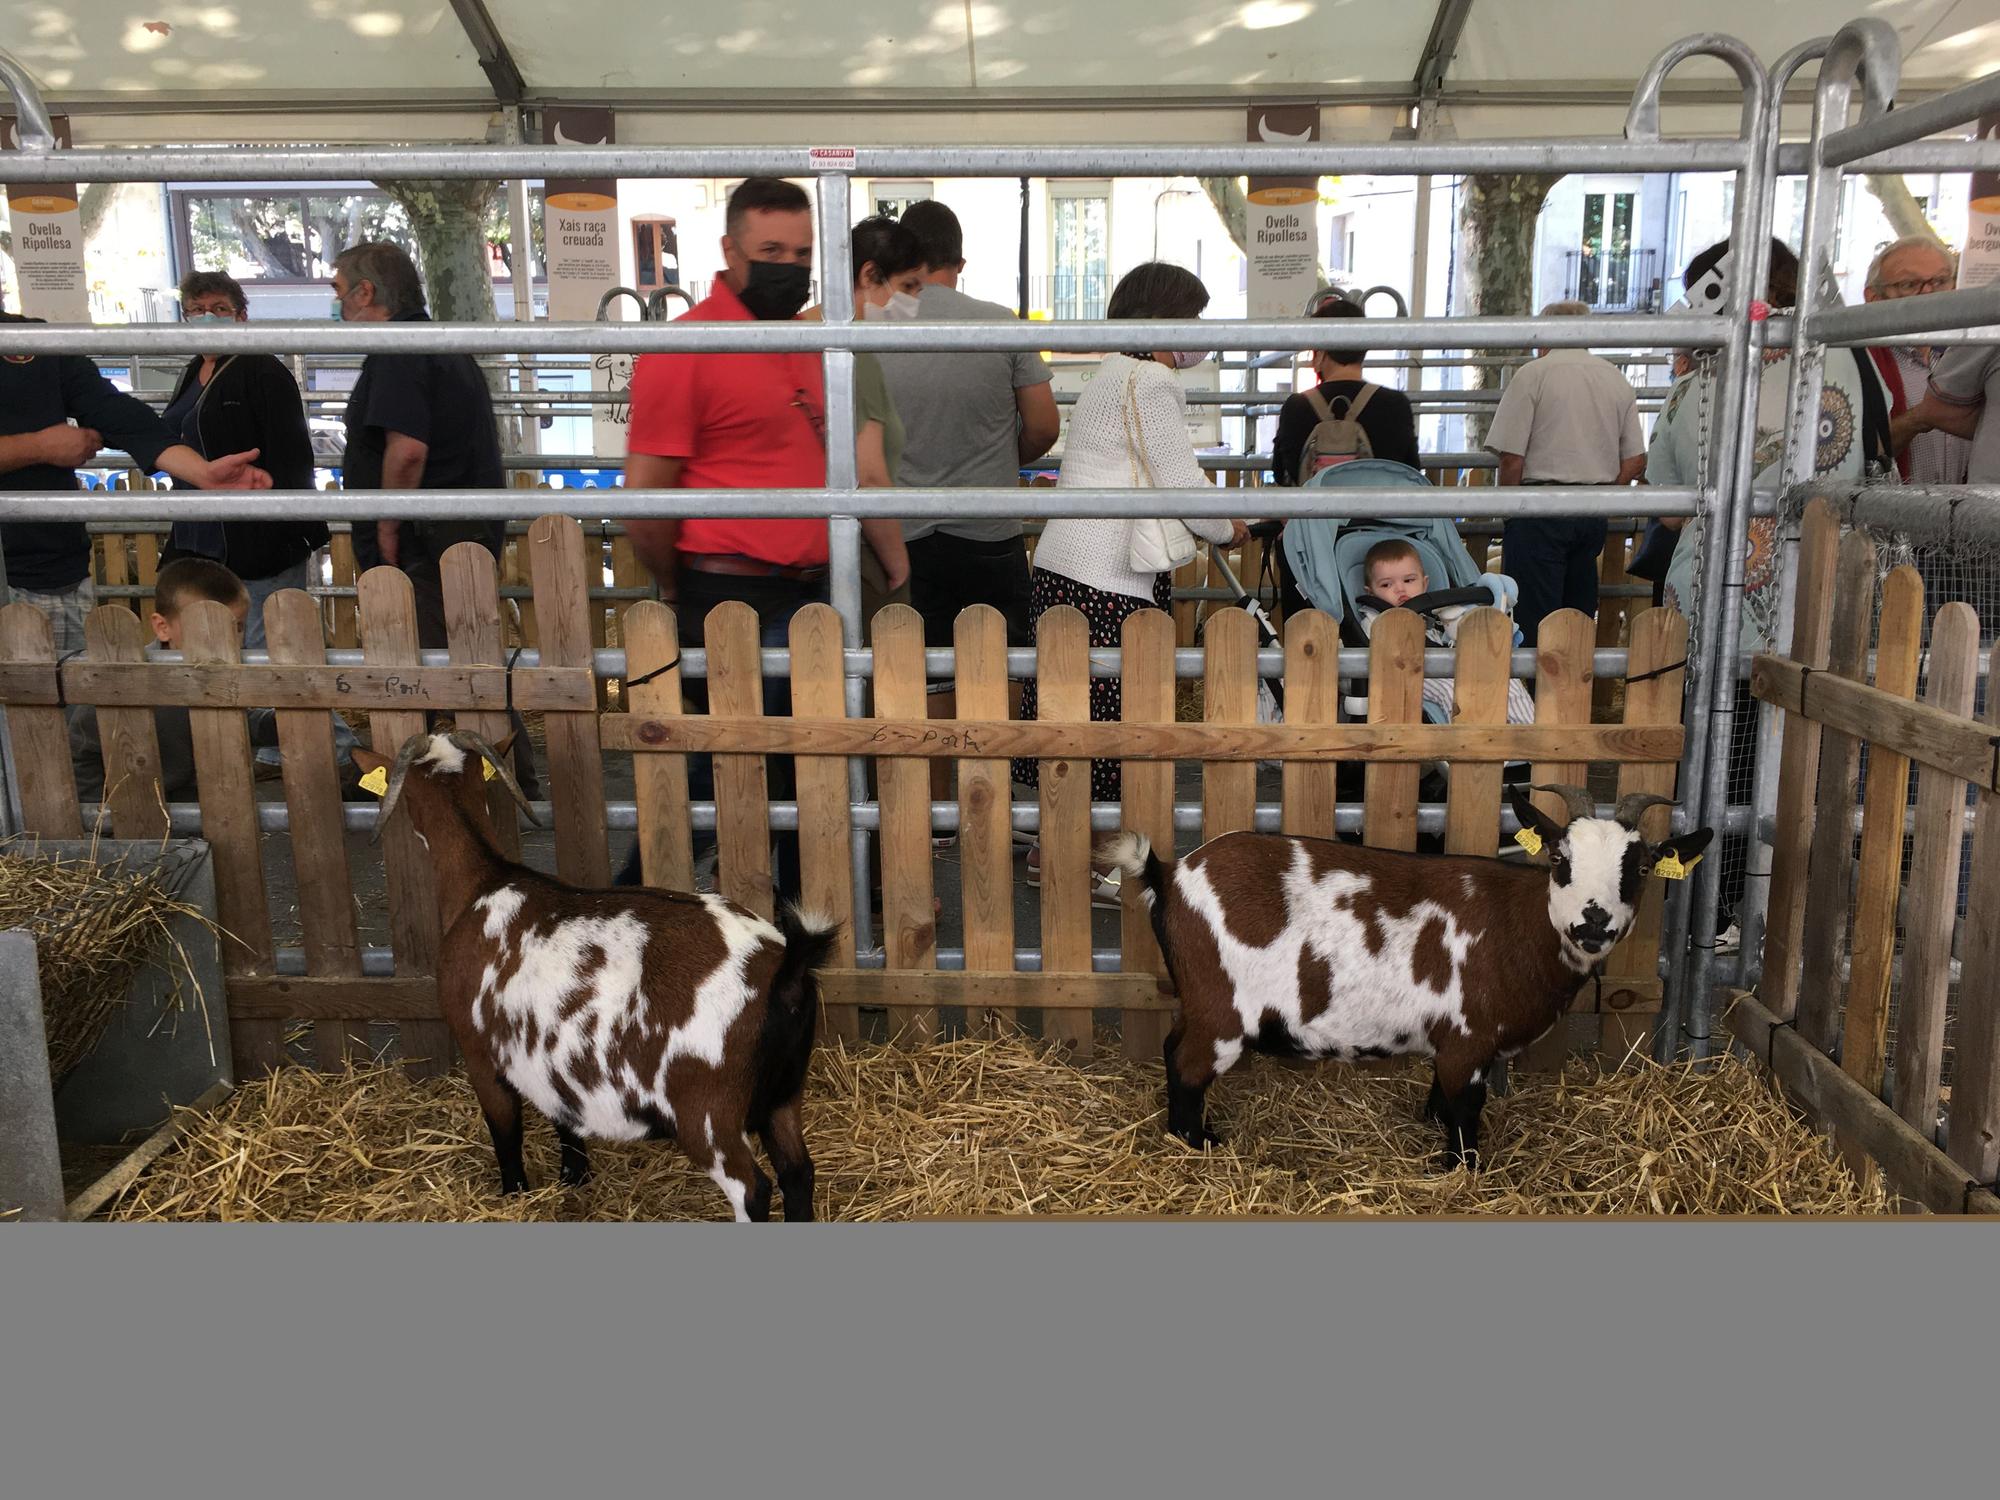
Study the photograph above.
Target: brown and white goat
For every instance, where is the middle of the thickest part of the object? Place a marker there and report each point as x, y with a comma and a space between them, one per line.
619, 1014
1314, 948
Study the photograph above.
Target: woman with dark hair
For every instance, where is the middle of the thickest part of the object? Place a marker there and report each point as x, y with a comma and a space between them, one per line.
888, 272
1683, 449
224, 406
1684, 452
1127, 431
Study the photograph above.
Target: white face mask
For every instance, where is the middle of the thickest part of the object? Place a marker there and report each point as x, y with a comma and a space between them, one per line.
1187, 359
900, 308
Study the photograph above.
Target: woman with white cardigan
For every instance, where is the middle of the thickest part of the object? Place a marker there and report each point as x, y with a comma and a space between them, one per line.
1128, 431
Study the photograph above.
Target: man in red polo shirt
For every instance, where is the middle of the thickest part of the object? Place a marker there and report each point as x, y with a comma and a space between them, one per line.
739, 421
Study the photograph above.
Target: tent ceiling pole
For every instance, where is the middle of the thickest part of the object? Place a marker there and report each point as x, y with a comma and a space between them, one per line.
1447, 26
509, 87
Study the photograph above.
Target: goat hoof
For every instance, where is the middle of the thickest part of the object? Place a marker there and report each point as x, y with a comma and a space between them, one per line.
508, 1189
1450, 1159
580, 1177
1201, 1138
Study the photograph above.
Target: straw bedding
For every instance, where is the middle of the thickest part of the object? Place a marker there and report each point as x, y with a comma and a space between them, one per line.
1001, 1127
95, 927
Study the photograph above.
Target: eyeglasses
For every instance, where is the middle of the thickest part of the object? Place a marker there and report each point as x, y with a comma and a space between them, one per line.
1914, 288
208, 310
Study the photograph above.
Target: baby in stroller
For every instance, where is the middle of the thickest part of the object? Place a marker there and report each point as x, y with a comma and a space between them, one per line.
1394, 573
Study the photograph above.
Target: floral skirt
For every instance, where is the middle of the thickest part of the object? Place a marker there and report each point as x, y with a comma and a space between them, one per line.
1105, 613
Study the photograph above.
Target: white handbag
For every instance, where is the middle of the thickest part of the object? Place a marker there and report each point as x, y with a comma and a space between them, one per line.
1155, 544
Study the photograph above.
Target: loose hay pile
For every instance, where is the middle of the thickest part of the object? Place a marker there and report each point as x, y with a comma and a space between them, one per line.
974, 1128
95, 927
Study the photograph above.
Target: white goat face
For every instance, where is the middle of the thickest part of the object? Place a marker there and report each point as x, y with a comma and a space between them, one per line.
1596, 875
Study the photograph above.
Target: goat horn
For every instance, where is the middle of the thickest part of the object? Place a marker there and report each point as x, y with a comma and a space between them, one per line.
465, 740
1581, 804
1633, 806
397, 772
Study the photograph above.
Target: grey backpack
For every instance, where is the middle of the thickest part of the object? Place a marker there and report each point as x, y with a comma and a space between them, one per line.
1338, 437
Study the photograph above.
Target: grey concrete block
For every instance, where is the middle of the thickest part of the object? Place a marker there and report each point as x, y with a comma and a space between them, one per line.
30, 1167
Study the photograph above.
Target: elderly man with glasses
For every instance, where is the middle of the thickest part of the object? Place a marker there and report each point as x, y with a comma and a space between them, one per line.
1927, 452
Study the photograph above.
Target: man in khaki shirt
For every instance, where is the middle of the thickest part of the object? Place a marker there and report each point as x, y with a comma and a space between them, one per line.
1565, 418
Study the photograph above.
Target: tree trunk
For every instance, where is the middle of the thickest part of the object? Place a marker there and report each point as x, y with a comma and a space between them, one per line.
1900, 206
1497, 215
449, 221
1232, 206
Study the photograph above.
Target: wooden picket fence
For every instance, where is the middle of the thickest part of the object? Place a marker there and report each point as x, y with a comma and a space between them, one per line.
1826, 906
394, 692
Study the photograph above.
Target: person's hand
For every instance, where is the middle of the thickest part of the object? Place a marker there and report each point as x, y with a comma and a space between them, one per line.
237, 471
389, 541
896, 574
1239, 533
69, 447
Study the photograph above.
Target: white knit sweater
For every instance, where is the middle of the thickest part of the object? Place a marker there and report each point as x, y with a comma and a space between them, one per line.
1096, 455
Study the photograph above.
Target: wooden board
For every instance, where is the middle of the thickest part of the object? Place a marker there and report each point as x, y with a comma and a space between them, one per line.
406, 999
985, 795
147, 547
1395, 697
388, 626
1563, 679
1950, 743
294, 634
38, 737
270, 686
1146, 790
344, 628
472, 634
1658, 644
742, 790
826, 828
1830, 870
1798, 767
909, 929
1062, 660
1930, 903
576, 761
127, 738
1074, 995
1229, 696
1974, 1131
1479, 676
660, 782
1397, 745
1312, 697
1912, 1165
1864, 1035
227, 791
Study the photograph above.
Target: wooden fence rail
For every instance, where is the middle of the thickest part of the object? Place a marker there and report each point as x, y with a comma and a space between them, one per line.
1827, 1040
395, 697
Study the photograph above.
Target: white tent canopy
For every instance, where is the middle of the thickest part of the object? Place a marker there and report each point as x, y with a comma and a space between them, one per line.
912, 70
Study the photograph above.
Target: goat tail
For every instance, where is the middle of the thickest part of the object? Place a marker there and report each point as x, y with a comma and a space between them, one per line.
1132, 855
791, 1011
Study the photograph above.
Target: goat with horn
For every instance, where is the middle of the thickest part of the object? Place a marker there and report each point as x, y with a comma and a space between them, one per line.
1314, 948
619, 1014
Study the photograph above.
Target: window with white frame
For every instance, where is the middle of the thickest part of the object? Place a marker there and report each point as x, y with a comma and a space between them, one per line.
1079, 249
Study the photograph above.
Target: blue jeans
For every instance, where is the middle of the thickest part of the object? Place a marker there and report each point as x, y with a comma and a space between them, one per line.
776, 600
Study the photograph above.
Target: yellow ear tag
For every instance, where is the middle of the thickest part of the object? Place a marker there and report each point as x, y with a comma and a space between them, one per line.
377, 781
1671, 868
487, 767
1530, 840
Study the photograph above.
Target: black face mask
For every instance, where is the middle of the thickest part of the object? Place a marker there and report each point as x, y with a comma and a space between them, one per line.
775, 290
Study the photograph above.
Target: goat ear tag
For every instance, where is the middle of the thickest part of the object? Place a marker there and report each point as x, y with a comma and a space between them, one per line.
487, 767
377, 781
1671, 868
1530, 840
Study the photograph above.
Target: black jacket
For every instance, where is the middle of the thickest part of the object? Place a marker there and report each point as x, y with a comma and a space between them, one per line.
1387, 419
253, 402
45, 390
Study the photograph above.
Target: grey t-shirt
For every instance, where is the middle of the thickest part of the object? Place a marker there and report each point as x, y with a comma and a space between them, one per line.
960, 420
1963, 376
